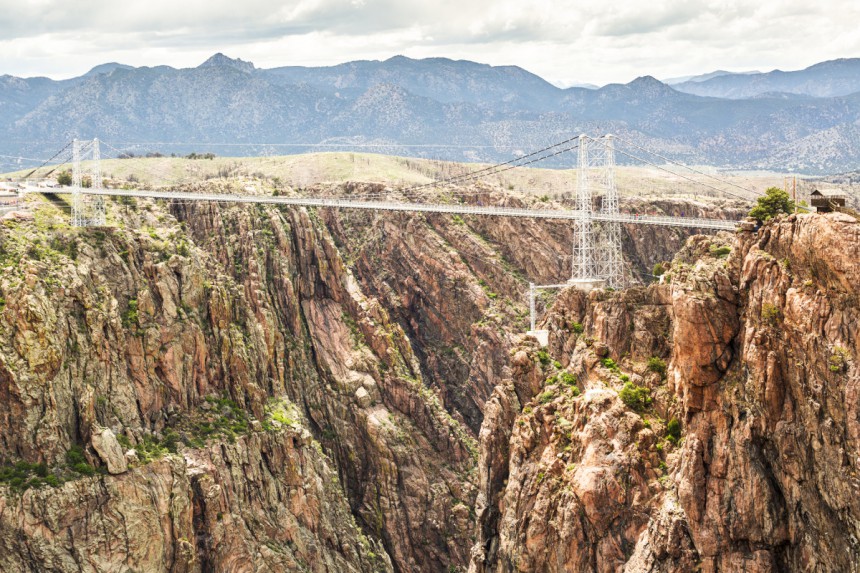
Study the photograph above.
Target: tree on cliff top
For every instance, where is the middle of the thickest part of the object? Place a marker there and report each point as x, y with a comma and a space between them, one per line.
774, 202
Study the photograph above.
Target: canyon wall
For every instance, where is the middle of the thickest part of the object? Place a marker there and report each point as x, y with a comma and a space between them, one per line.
209, 388
708, 423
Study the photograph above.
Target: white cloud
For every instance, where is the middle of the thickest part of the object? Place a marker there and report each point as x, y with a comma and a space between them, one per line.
562, 40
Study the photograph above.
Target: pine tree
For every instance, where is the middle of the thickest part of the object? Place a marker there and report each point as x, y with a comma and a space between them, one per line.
774, 202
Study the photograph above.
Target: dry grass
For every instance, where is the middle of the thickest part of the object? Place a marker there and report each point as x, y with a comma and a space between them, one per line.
299, 171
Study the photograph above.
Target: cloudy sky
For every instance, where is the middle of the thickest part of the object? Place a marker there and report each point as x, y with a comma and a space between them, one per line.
564, 41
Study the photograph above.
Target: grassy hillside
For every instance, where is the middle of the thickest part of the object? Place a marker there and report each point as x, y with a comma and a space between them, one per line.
299, 171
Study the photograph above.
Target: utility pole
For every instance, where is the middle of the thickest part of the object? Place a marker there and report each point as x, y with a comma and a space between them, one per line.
794, 194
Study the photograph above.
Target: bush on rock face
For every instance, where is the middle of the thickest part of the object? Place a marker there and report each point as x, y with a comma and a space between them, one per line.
635, 397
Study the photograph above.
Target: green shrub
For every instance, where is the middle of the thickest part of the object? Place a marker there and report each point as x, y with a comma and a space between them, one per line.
130, 316
64, 178
658, 269
84, 469
24, 475
657, 364
577, 327
544, 357
75, 455
546, 397
635, 397
673, 430
610, 363
567, 379
720, 252
76, 461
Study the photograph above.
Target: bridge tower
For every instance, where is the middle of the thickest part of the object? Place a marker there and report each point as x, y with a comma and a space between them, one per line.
87, 210
610, 265
585, 270
596, 250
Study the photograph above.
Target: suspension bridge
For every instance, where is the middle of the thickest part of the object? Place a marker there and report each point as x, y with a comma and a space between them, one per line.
597, 233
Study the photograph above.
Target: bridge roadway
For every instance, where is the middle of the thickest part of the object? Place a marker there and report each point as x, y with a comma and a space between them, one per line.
458, 209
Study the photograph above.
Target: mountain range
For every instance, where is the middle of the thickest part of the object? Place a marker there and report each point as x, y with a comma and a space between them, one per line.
804, 121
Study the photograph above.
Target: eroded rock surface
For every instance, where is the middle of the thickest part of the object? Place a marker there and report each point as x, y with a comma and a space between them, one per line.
759, 337
209, 388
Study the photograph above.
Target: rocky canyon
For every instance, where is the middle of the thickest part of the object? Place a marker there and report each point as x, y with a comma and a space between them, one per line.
202, 387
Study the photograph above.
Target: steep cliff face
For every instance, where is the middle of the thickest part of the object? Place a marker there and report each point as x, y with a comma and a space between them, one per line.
141, 353
210, 388
403, 460
268, 502
705, 424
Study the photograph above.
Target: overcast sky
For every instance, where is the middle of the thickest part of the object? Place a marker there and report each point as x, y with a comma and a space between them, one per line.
564, 41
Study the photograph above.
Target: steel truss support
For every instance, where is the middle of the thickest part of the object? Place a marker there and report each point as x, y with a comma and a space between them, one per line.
597, 247
87, 210
584, 260
610, 264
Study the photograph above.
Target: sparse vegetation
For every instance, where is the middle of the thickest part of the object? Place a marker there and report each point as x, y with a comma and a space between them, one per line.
658, 365
635, 397
837, 360
770, 313
673, 430
130, 317
544, 357
567, 379
77, 462
610, 364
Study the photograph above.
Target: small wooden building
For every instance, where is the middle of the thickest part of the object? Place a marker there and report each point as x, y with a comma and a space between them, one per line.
825, 199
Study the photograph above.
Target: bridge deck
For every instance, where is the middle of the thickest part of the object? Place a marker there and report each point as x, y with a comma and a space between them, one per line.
460, 209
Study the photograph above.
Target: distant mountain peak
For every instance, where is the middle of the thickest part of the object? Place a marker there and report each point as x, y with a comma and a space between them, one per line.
107, 68
649, 84
219, 60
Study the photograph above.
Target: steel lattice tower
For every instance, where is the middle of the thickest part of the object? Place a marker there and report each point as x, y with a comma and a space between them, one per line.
87, 210
597, 250
584, 260
611, 266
